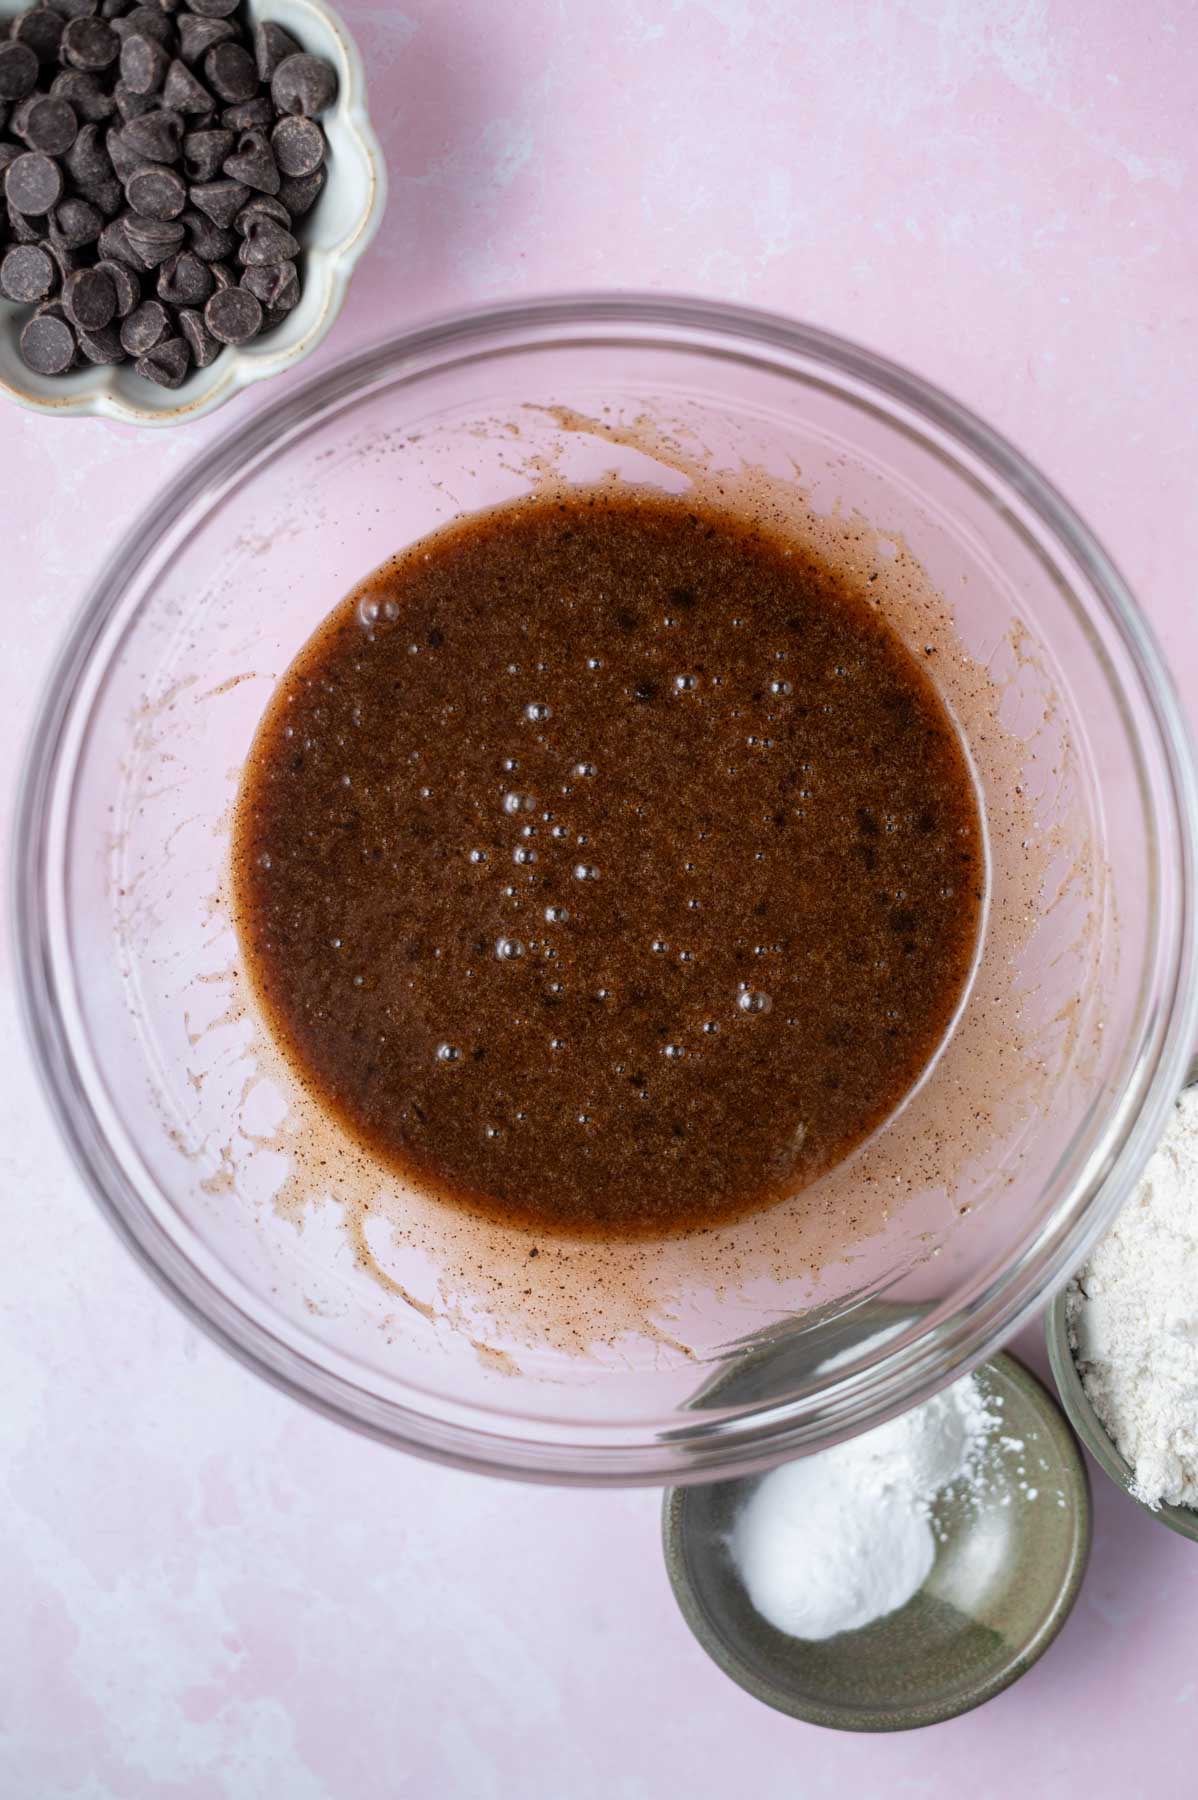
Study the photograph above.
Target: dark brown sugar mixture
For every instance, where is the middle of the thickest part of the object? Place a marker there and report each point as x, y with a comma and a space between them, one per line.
607, 866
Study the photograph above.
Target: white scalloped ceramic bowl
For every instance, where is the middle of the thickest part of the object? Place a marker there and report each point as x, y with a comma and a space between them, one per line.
334, 235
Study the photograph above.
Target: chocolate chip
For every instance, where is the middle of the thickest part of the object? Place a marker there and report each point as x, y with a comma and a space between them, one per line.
156, 192
230, 73
49, 125
84, 94
206, 239
157, 138
144, 63
47, 345
203, 346
204, 153
304, 84
153, 240
147, 21
276, 286
33, 184
262, 206
183, 92
8, 154
265, 241
253, 163
112, 9
249, 115
105, 193
27, 274
103, 345
131, 105
125, 157
75, 222
41, 29
167, 364
90, 44
214, 9
87, 159
125, 287
221, 201
272, 45
222, 275
301, 193
18, 71
184, 280
89, 298
114, 246
298, 144
197, 36
77, 9
145, 327
233, 315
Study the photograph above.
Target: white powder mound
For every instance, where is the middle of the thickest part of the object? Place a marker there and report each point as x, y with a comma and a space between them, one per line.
1133, 1320
836, 1540
818, 1557
923, 1451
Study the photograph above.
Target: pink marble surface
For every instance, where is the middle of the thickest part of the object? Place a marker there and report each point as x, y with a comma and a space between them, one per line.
209, 1594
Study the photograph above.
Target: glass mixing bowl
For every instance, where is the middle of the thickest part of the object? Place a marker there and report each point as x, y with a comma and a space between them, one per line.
585, 1365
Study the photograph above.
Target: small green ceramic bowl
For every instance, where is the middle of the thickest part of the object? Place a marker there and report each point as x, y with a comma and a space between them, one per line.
1089, 1426
1007, 1572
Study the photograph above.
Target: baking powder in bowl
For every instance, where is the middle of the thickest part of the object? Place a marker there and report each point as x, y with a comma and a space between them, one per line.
839, 1539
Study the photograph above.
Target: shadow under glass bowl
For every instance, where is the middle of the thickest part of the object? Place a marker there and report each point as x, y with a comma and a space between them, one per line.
128, 971
1090, 1429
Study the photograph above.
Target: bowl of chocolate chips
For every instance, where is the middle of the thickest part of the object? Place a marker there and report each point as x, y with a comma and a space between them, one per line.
185, 191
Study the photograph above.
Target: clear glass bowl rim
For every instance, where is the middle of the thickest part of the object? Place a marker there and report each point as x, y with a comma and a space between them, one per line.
706, 1446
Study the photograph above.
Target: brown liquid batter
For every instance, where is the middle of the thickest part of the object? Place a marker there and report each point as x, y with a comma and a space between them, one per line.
608, 866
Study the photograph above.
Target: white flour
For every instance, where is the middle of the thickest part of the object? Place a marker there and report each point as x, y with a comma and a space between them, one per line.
1133, 1320
836, 1540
